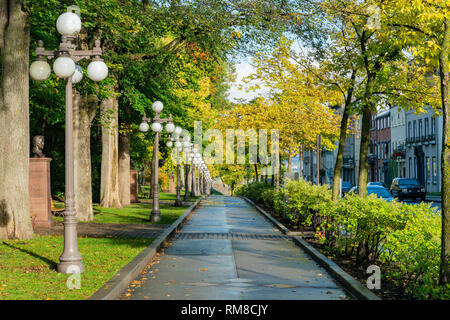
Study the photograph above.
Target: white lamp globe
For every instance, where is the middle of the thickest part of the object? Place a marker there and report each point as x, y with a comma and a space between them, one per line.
178, 144
97, 70
64, 67
169, 144
144, 127
186, 144
40, 70
68, 24
157, 106
178, 130
170, 127
78, 74
187, 138
157, 127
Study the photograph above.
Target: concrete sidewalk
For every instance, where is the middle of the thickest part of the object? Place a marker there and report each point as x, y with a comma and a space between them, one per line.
229, 251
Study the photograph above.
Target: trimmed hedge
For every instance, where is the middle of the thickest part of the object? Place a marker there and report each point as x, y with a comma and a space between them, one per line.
404, 240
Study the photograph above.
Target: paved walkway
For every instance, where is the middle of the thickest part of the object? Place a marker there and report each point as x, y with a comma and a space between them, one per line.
228, 251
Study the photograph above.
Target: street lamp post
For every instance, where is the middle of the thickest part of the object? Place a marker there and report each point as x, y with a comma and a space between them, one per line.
187, 152
178, 146
193, 158
157, 107
69, 26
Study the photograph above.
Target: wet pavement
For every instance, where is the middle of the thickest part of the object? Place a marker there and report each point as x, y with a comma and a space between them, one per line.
229, 251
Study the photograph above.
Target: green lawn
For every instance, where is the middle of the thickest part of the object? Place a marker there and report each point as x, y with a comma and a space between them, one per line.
28, 268
137, 213
163, 195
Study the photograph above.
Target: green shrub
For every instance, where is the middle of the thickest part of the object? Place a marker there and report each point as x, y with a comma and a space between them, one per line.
269, 196
412, 253
306, 202
254, 191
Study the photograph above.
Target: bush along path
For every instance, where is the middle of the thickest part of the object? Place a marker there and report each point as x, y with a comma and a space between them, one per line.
227, 250
403, 240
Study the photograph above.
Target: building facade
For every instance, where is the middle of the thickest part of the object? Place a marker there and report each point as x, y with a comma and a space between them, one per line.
398, 141
380, 149
423, 148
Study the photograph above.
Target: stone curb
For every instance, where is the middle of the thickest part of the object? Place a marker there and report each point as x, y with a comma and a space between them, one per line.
120, 281
353, 286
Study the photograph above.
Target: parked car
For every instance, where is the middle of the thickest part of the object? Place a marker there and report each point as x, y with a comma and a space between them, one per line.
377, 183
346, 186
407, 188
379, 191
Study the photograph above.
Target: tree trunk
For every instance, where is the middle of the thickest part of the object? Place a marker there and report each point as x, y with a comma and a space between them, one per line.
109, 184
256, 172
124, 168
445, 160
342, 139
365, 136
15, 221
84, 110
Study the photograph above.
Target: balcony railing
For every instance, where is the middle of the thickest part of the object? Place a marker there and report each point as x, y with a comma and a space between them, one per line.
424, 138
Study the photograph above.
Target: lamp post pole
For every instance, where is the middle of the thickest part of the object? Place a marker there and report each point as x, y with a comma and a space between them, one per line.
69, 25
192, 172
155, 215
178, 202
187, 190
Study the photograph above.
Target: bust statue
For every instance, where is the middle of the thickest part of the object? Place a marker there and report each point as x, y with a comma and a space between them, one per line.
38, 146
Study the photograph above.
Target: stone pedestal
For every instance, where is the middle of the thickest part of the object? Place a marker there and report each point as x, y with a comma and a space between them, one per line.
134, 186
40, 192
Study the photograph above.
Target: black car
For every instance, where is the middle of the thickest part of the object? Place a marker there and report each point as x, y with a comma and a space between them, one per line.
407, 188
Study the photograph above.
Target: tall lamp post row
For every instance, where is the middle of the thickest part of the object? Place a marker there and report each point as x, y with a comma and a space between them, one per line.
181, 144
65, 66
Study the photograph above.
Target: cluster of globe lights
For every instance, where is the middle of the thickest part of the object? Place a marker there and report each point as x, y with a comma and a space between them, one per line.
68, 24
157, 107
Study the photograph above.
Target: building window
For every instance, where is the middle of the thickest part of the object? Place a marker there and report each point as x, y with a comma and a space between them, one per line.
420, 129
410, 170
409, 130
428, 164
415, 168
427, 129
414, 129
434, 170
433, 126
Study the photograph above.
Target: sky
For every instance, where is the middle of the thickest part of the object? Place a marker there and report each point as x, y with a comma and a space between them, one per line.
243, 69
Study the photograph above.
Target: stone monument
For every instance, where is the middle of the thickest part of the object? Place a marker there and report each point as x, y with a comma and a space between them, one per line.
39, 186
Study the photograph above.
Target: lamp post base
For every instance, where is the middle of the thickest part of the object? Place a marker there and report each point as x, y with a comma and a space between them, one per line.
178, 203
70, 267
155, 216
